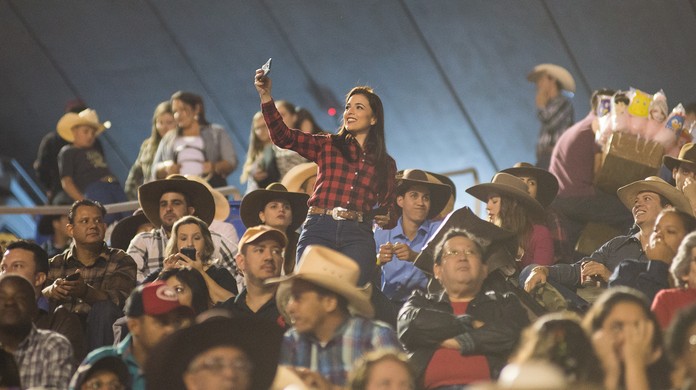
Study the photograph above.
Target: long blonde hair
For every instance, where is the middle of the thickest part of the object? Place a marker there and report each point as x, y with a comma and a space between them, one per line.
254, 152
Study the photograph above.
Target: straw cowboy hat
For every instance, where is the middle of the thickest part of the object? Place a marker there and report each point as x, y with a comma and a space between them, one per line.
297, 175
201, 199
465, 219
509, 185
333, 271
557, 72
125, 229
627, 194
547, 183
87, 117
255, 201
439, 193
222, 205
687, 154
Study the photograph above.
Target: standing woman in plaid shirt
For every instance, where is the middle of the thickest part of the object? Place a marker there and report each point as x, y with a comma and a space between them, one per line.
355, 176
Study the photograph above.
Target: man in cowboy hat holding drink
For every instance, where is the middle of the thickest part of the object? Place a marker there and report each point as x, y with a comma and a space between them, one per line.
331, 317
164, 202
420, 198
645, 198
84, 172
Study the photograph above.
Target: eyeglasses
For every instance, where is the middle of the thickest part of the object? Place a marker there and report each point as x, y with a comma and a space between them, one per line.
98, 384
217, 365
457, 254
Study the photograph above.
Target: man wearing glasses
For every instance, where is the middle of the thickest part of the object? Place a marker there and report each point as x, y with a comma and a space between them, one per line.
465, 333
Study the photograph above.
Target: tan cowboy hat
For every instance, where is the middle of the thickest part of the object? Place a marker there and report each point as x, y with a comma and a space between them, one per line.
333, 271
547, 183
687, 154
557, 72
439, 193
222, 205
449, 207
627, 194
507, 184
256, 200
297, 175
87, 117
201, 199
465, 219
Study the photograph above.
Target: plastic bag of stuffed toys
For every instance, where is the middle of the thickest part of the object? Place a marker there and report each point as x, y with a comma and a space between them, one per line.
644, 115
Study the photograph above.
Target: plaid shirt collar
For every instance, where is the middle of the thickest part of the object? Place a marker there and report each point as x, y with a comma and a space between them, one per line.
70, 255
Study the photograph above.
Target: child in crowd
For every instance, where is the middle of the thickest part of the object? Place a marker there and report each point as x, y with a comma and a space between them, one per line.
84, 172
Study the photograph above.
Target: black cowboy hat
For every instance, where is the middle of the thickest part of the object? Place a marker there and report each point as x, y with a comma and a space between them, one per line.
465, 219
547, 183
256, 200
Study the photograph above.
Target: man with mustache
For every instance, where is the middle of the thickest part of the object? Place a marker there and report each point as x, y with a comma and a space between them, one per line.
465, 333
91, 278
260, 258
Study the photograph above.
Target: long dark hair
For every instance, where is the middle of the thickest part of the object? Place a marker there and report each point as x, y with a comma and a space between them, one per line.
192, 100
200, 296
375, 142
515, 217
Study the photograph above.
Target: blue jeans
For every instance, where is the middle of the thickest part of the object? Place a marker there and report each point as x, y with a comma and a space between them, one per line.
100, 321
353, 239
107, 193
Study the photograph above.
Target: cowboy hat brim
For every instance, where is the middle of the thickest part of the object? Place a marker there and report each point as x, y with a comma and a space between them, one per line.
627, 194
255, 201
70, 120
465, 219
557, 72
439, 193
259, 339
222, 205
358, 297
547, 183
482, 191
201, 199
125, 230
297, 175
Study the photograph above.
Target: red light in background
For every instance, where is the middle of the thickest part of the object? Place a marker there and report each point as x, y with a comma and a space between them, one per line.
331, 111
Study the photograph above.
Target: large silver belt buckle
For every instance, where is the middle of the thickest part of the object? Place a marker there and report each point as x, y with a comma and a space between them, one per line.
335, 211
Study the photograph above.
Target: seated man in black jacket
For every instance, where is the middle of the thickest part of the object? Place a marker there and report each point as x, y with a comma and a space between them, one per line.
465, 333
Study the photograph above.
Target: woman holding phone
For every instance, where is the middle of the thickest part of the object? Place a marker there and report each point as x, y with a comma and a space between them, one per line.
355, 176
191, 245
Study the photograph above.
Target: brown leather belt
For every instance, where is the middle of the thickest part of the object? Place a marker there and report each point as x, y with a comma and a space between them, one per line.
338, 213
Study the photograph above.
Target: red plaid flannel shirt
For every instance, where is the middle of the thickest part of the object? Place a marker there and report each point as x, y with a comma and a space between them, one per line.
340, 182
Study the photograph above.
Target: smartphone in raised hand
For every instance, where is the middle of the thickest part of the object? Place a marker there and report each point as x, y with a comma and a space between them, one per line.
266, 68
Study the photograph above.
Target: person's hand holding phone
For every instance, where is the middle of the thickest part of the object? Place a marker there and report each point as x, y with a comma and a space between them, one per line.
263, 83
189, 258
74, 285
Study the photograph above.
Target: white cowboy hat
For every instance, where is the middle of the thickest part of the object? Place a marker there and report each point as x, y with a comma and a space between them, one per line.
87, 117
333, 271
627, 194
557, 72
